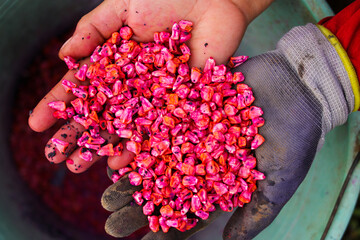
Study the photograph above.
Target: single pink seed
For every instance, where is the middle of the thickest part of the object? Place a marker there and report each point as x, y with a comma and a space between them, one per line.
209, 64
189, 181
207, 93
237, 61
106, 150
185, 25
126, 33
164, 227
135, 178
148, 208
195, 203
173, 223
133, 147
153, 223
81, 73
257, 141
115, 177
245, 196
60, 145
162, 182
80, 93
124, 133
58, 105
70, 62
257, 175
68, 86
230, 110
166, 211
201, 214
138, 198
220, 188
86, 155
255, 112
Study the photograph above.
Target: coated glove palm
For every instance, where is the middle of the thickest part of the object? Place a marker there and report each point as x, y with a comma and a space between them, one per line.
304, 90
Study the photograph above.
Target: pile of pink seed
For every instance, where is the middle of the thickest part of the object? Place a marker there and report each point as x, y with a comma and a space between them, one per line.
193, 132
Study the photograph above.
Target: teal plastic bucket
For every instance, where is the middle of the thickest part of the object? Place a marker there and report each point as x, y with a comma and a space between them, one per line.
26, 25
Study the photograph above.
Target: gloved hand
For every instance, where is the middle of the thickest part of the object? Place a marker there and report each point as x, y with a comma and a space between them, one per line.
305, 91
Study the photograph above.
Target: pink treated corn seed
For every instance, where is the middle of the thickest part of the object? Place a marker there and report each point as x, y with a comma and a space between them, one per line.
126, 33
148, 208
133, 147
166, 211
257, 141
153, 223
68, 86
70, 62
115, 177
86, 155
135, 178
106, 150
236, 61
193, 131
201, 214
60, 145
81, 73
138, 198
58, 105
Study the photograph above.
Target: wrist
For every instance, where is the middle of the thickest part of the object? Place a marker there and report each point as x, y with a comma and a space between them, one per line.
346, 62
252, 8
319, 67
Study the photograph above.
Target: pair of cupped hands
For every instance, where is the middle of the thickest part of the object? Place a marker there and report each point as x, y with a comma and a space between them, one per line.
219, 26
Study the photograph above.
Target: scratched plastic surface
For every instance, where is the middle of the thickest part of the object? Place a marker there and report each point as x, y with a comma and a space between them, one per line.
304, 217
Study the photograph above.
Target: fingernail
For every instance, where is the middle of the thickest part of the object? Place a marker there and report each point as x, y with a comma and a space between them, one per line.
66, 43
70, 161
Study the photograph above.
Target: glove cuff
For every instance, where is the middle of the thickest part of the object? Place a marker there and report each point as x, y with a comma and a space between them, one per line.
320, 68
347, 64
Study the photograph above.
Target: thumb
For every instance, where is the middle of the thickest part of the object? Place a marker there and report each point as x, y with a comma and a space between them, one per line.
94, 28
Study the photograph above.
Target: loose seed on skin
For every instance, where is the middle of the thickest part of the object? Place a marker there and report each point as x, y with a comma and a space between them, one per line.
60, 145
86, 155
58, 105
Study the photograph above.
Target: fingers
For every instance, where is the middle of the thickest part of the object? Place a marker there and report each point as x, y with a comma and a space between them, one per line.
174, 234
117, 162
109, 172
94, 28
125, 221
118, 195
216, 36
248, 221
42, 116
70, 132
78, 165
286, 156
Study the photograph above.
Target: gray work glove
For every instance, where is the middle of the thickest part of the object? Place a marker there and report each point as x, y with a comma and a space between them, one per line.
305, 91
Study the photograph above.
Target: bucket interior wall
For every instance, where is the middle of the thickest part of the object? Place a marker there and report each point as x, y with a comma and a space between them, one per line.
25, 26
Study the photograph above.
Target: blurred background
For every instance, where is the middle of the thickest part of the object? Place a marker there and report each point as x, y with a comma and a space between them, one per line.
43, 201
